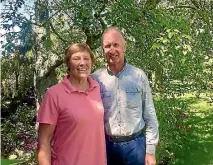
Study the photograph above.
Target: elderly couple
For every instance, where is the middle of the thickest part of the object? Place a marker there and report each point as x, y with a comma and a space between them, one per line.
98, 120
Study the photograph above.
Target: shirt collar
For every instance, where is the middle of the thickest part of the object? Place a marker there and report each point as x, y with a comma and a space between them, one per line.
70, 88
111, 73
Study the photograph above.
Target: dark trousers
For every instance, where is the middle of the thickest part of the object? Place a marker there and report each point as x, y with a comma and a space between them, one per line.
126, 153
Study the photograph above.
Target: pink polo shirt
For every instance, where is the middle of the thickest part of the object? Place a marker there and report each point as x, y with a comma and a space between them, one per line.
79, 119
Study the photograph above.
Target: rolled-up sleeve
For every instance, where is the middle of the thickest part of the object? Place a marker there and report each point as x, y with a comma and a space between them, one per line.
150, 118
48, 112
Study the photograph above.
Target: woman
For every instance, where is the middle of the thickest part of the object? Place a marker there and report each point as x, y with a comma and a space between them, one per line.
71, 114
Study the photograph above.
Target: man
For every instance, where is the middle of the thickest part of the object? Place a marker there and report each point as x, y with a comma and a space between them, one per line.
128, 106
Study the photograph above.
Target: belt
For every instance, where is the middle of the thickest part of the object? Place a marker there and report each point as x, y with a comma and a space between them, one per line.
123, 138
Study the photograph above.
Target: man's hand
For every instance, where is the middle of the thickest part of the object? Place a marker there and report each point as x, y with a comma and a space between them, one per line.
53, 153
150, 159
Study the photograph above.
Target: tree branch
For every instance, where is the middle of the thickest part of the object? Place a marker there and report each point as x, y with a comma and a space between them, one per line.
51, 17
195, 3
185, 6
151, 4
49, 71
62, 9
92, 37
56, 33
98, 16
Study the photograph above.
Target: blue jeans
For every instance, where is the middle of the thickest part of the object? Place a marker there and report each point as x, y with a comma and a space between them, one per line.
126, 153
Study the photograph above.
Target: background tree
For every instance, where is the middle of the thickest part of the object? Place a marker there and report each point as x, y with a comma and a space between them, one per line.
170, 40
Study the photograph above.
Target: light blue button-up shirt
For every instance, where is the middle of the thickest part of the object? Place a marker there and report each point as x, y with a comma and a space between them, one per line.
128, 104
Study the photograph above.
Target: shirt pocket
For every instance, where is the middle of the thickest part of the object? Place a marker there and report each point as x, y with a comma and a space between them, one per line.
134, 101
107, 100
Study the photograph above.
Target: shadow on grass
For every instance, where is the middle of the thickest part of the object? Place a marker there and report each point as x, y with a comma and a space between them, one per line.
198, 147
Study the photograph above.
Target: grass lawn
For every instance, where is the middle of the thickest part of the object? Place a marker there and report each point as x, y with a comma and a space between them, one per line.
10, 162
198, 148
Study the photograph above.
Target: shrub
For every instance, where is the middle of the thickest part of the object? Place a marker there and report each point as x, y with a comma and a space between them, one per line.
173, 130
19, 135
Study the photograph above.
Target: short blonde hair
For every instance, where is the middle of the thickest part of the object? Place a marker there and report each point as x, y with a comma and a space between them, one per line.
75, 48
112, 28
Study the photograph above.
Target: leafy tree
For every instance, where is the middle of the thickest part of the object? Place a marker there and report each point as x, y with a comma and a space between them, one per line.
170, 40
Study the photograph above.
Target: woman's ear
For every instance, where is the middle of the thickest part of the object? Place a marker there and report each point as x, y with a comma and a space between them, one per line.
68, 70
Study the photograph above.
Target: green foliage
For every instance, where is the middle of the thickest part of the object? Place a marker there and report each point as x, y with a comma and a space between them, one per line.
172, 114
170, 40
16, 75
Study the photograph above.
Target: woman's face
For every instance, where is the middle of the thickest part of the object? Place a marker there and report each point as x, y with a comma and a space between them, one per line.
80, 65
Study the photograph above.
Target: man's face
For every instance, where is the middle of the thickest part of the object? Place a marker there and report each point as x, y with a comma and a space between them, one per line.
114, 47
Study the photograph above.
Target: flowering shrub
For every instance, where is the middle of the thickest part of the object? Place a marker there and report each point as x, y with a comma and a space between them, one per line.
19, 135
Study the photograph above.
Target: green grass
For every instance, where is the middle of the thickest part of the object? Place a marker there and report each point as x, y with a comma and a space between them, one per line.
10, 162
198, 148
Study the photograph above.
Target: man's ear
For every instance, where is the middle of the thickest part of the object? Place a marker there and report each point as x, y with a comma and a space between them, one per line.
125, 47
103, 52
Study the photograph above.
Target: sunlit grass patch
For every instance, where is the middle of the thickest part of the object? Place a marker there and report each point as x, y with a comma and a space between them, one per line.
198, 147
11, 162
